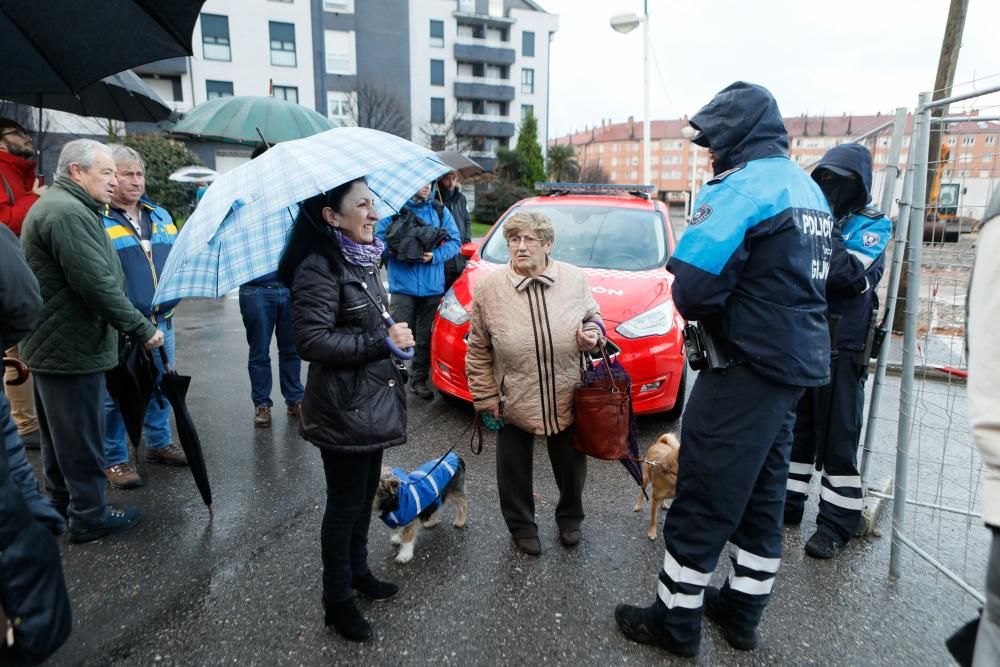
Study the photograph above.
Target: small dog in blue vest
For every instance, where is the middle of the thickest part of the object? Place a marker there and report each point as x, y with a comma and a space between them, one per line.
405, 501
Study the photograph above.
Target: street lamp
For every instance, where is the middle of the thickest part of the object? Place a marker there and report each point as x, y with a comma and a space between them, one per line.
688, 132
624, 23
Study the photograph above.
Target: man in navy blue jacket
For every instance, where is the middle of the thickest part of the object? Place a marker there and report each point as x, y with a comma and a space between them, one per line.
417, 287
828, 419
751, 269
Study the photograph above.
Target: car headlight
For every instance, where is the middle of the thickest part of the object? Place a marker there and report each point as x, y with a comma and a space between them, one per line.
451, 310
654, 322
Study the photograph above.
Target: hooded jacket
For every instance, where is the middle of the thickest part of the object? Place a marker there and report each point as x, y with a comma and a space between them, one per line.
859, 242
17, 176
752, 264
422, 278
984, 362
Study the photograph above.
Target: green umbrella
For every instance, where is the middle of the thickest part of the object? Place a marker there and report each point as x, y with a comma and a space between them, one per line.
236, 119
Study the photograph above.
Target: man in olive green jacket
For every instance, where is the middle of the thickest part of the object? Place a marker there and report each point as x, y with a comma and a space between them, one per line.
76, 339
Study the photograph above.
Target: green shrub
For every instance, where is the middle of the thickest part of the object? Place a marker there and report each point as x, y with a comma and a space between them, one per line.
491, 205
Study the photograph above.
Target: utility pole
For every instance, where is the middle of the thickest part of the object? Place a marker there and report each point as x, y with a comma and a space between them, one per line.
947, 62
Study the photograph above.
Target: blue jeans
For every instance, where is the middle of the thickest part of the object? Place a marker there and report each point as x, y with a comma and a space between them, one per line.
157, 424
267, 310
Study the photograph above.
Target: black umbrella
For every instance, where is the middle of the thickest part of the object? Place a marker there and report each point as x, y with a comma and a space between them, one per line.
131, 384
175, 388
63, 46
463, 165
123, 96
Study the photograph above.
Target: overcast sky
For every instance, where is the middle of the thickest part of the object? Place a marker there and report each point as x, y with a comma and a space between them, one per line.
816, 56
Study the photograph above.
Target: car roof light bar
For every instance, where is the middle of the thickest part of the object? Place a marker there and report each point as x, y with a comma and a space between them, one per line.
555, 189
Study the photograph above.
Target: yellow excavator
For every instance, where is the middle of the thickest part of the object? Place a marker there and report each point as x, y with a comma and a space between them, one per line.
943, 224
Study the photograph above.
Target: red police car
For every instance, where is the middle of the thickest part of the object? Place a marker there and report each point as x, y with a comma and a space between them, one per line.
622, 239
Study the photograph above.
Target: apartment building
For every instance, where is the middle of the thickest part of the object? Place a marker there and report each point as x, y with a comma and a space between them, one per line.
457, 74
679, 167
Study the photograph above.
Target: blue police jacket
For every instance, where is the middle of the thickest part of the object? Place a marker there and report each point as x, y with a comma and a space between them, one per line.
752, 265
419, 491
424, 278
142, 272
855, 271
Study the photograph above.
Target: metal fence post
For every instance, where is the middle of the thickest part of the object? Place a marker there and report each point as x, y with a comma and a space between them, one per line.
899, 243
907, 396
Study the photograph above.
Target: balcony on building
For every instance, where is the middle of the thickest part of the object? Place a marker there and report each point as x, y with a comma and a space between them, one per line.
468, 51
484, 128
493, 90
169, 67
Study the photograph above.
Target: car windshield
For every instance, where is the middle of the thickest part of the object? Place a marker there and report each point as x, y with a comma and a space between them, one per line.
596, 237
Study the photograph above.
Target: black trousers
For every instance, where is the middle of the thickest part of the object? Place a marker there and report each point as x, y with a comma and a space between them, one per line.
736, 436
834, 414
351, 482
71, 426
515, 449
418, 312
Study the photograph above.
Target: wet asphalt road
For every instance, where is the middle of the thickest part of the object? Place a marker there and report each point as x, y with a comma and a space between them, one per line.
243, 587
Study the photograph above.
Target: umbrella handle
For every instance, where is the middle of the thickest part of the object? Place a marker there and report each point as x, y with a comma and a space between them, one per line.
404, 355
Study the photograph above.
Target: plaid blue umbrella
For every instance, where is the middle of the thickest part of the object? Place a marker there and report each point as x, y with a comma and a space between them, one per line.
238, 231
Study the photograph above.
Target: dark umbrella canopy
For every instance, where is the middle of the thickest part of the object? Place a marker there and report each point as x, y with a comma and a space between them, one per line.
131, 384
123, 96
175, 388
463, 165
63, 46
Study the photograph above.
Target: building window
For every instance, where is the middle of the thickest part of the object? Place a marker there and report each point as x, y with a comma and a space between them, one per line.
527, 109
339, 52
437, 33
467, 6
437, 72
282, 43
968, 140
991, 139
496, 7
287, 93
339, 6
528, 44
215, 37
527, 80
338, 107
952, 141
215, 89
984, 173
437, 109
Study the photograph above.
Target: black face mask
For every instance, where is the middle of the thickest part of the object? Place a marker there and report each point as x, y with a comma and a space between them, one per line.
841, 193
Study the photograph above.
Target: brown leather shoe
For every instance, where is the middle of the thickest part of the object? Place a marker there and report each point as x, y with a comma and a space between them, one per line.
123, 476
171, 455
295, 409
262, 417
531, 546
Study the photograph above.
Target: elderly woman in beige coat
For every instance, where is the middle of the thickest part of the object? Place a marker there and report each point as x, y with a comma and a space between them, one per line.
530, 322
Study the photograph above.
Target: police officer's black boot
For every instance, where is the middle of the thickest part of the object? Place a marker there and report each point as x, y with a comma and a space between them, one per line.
823, 545
793, 515
743, 639
647, 625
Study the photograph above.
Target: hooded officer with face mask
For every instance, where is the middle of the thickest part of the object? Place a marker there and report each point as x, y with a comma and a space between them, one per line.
828, 419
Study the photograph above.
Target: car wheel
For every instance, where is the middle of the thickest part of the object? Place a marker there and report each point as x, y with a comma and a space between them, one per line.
674, 413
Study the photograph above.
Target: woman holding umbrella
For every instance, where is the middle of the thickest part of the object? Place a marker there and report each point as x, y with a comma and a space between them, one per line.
354, 405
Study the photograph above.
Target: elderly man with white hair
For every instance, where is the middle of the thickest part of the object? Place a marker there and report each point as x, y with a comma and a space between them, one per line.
76, 339
142, 234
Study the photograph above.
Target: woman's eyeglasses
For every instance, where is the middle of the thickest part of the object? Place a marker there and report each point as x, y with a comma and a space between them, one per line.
530, 241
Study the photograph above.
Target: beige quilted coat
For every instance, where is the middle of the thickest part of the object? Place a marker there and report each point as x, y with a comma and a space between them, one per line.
522, 344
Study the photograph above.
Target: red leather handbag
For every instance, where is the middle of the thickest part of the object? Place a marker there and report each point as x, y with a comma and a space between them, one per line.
602, 413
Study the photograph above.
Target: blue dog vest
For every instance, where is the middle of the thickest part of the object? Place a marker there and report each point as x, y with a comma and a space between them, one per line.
419, 491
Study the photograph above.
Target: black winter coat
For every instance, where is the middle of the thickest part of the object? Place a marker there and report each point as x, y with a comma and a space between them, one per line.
354, 398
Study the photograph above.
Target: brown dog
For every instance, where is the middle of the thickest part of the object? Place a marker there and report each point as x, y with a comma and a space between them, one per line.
660, 468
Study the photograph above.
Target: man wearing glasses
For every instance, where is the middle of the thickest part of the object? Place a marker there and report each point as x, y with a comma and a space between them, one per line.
19, 190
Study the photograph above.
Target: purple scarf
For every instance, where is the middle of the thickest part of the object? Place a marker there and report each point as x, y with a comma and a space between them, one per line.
360, 254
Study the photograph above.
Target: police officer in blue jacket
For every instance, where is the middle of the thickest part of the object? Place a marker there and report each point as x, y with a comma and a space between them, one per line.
751, 269
828, 419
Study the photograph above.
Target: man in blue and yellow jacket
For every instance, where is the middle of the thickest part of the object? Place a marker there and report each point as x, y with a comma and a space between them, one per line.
142, 234
828, 419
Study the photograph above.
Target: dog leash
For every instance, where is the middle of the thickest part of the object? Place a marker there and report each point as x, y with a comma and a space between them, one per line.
477, 423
